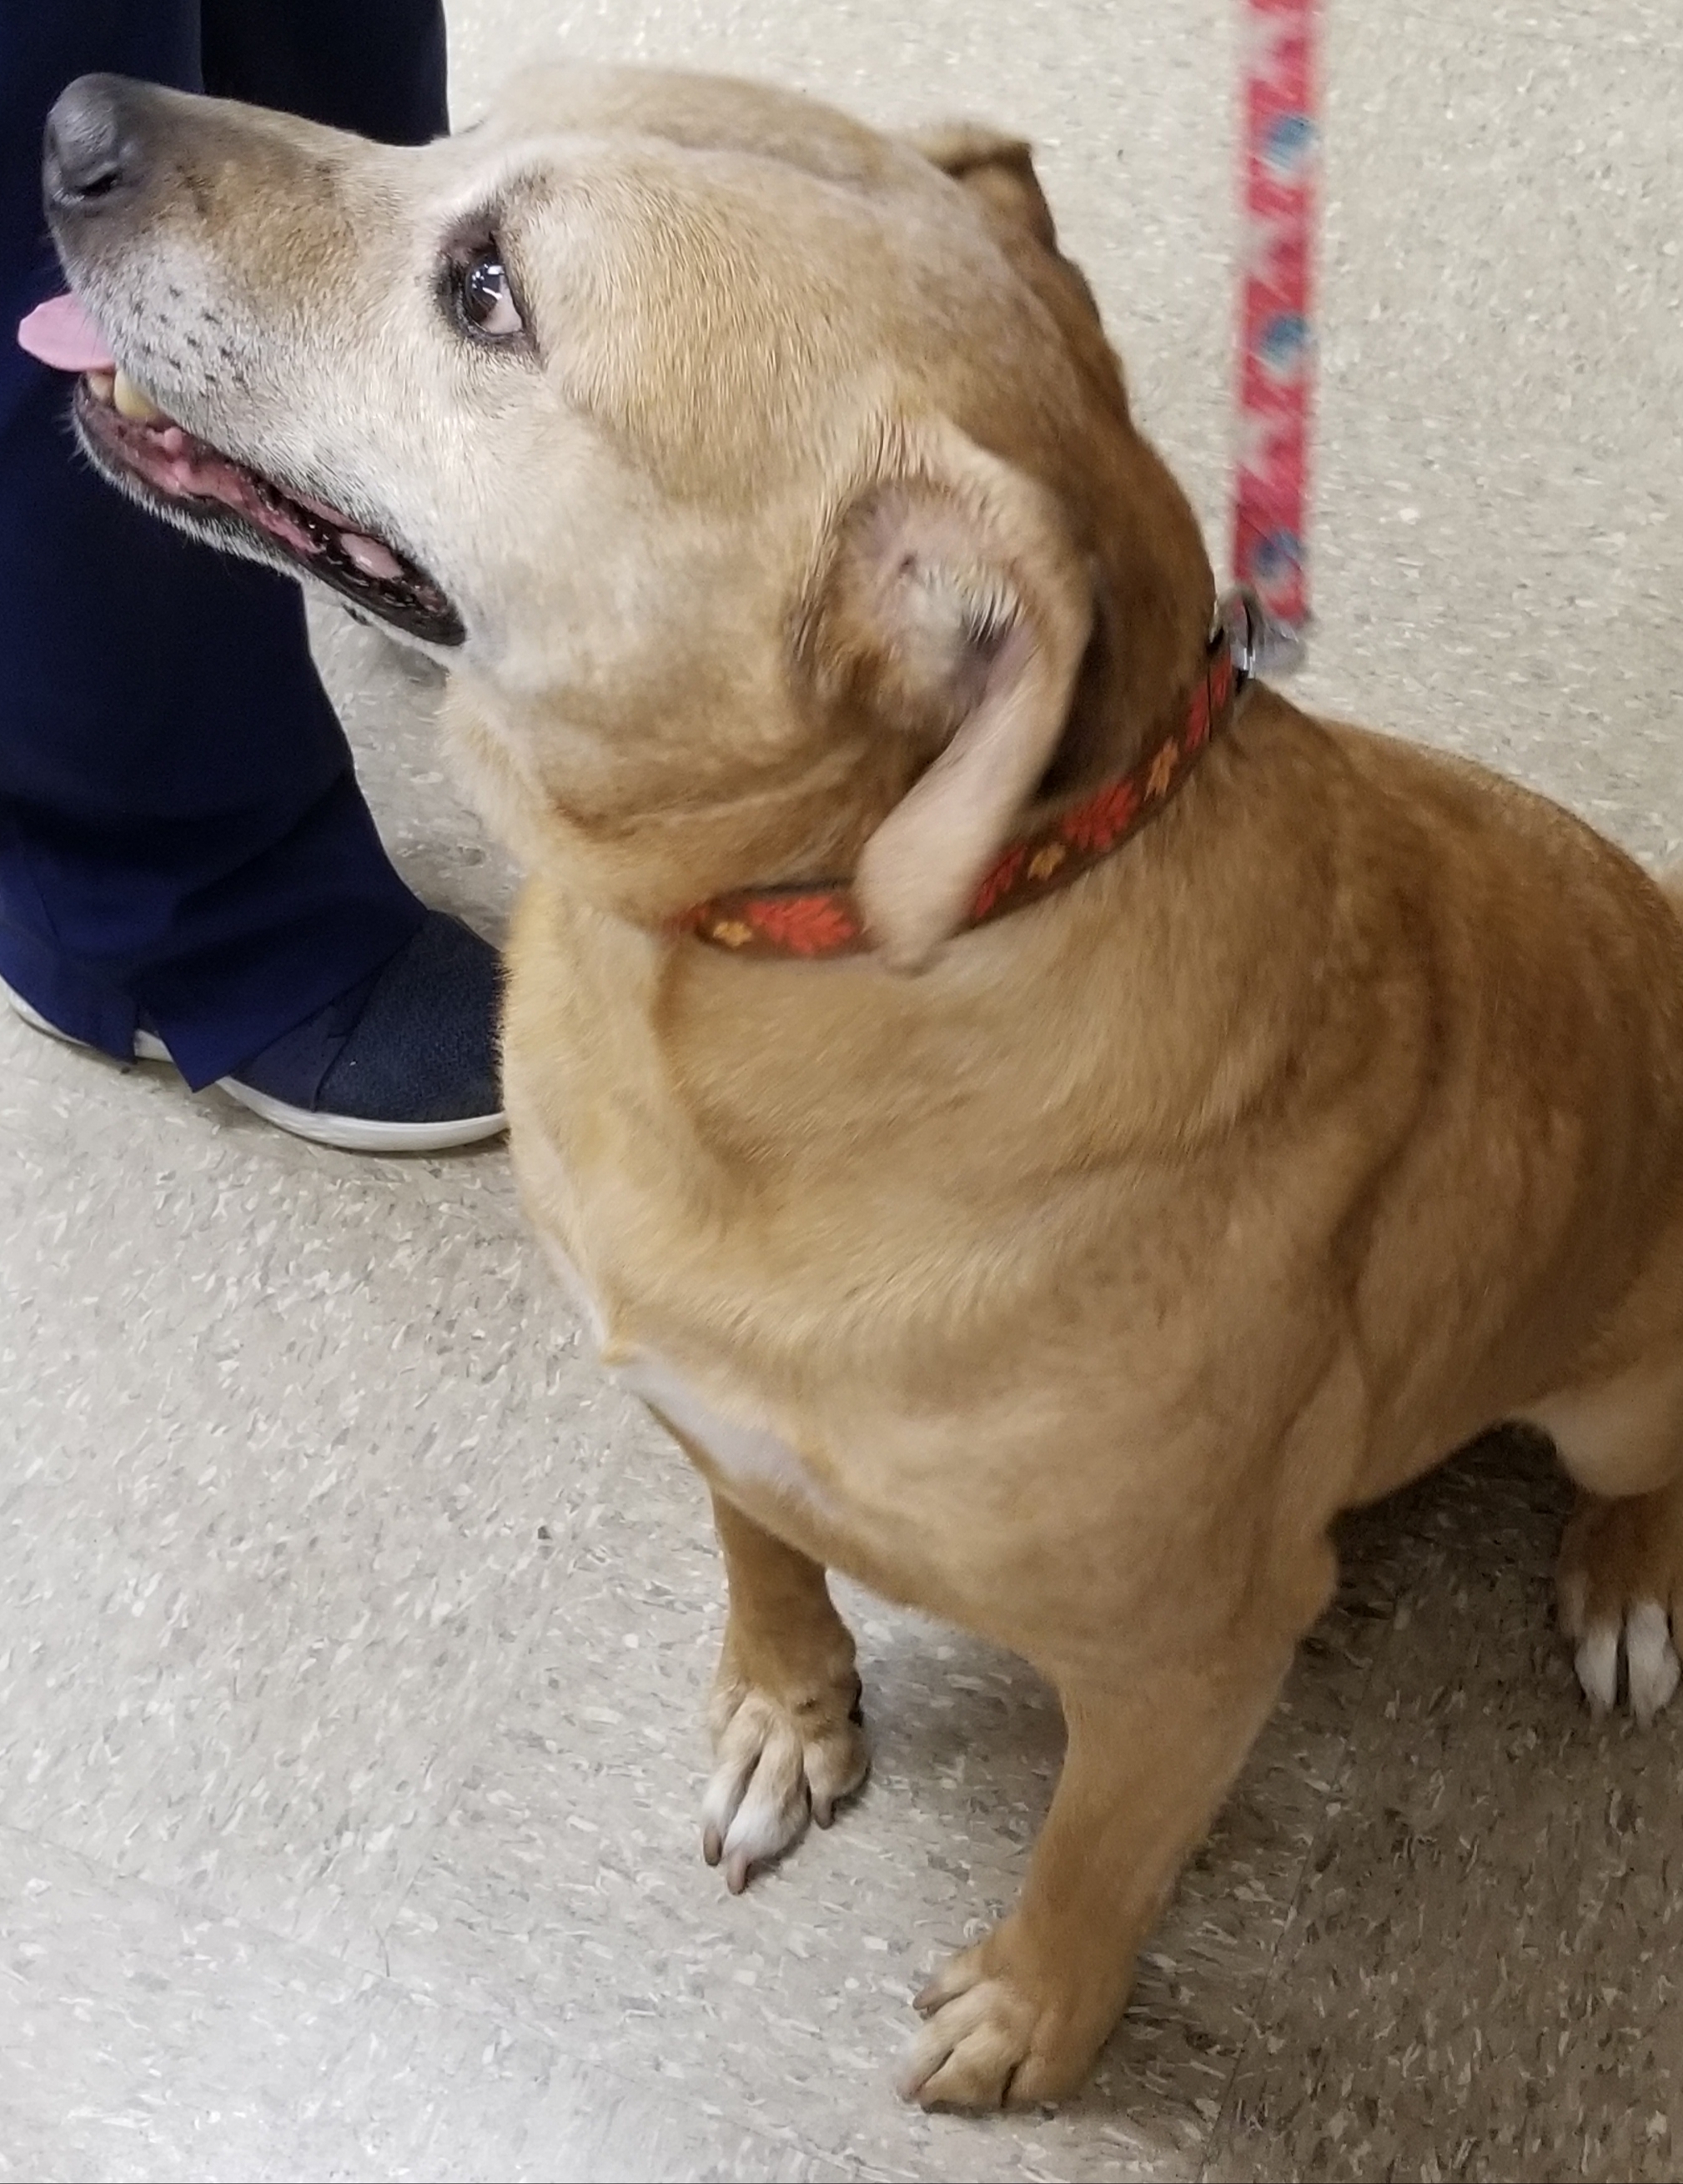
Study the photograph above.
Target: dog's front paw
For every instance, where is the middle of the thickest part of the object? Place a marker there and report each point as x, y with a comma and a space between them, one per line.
775, 1766
1621, 1582
997, 2035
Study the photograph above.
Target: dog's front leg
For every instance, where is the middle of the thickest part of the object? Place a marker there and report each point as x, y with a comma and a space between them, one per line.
787, 1737
1020, 2017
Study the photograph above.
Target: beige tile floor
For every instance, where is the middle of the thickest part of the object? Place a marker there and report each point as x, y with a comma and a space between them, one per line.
353, 1631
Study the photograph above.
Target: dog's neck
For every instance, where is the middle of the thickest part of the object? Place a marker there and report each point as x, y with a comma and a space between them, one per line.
647, 844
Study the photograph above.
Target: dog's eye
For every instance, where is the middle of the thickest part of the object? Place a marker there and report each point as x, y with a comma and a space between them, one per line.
486, 303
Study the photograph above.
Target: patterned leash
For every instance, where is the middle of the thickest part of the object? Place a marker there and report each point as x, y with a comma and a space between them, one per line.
1280, 151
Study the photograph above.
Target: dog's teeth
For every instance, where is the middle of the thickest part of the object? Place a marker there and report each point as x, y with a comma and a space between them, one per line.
131, 404
369, 555
101, 384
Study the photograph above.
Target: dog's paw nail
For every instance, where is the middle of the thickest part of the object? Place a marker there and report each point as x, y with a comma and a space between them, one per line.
1596, 1662
1650, 1659
712, 1844
737, 1871
950, 1979
823, 1812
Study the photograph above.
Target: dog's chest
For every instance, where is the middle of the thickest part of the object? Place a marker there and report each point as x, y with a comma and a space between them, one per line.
748, 1455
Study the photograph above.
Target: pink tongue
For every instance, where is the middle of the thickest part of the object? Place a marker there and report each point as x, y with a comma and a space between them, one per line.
61, 333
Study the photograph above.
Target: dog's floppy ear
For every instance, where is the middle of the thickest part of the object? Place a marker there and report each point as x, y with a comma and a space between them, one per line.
999, 169
956, 608
999, 172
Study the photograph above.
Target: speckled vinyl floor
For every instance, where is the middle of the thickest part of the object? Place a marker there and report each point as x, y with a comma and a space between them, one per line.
354, 1633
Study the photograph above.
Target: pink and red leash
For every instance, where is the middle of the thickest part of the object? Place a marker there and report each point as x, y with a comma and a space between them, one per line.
1279, 141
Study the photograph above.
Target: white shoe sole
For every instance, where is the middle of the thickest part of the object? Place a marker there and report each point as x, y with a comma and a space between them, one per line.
352, 1133
349, 1134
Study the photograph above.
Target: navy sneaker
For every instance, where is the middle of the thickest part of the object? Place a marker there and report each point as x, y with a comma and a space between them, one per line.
404, 1063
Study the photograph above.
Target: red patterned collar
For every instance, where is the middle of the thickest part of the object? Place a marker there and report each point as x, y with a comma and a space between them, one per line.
821, 917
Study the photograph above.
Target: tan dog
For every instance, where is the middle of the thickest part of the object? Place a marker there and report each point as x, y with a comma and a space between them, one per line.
772, 491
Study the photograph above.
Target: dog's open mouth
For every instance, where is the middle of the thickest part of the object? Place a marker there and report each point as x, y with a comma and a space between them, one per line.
180, 476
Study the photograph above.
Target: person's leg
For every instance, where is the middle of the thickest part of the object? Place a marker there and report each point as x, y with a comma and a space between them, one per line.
377, 67
182, 837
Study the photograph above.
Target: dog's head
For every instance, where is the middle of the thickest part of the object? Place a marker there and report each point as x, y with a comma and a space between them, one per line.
768, 481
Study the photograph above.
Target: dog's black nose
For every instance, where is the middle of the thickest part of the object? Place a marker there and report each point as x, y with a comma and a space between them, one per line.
91, 152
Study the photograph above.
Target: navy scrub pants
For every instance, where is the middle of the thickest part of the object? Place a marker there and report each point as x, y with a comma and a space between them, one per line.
181, 836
